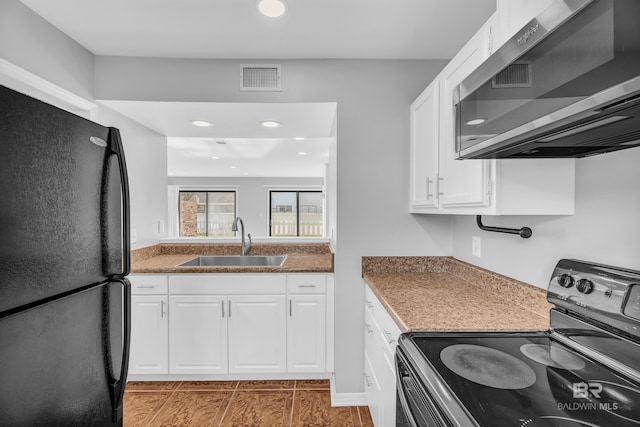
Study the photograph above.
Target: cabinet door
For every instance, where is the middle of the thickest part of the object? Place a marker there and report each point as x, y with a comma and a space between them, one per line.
306, 332
373, 393
424, 148
462, 182
149, 335
198, 334
257, 334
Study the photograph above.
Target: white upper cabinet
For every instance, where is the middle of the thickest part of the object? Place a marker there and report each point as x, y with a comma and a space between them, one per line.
440, 184
438, 181
462, 183
424, 148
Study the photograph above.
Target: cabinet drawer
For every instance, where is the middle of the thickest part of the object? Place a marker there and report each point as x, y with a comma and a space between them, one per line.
388, 328
306, 283
148, 284
220, 284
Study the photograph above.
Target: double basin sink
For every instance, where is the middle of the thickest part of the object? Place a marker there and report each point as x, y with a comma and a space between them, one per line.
235, 261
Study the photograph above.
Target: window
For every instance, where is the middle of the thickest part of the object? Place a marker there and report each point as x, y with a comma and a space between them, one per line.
295, 213
207, 213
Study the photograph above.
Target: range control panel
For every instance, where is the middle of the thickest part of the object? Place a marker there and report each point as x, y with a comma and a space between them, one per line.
607, 294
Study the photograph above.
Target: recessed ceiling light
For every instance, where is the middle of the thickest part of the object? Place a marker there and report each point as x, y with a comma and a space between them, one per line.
270, 124
201, 123
215, 157
299, 138
302, 153
234, 167
272, 8
245, 173
475, 122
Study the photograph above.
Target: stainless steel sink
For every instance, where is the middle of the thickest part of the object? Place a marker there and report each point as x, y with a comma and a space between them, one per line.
235, 261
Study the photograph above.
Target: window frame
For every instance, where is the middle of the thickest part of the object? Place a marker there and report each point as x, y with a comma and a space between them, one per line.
206, 190
297, 191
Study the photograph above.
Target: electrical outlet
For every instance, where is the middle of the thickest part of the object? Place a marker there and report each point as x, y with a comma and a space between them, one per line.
475, 246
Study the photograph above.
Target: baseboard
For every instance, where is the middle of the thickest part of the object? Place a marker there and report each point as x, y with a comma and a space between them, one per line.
346, 399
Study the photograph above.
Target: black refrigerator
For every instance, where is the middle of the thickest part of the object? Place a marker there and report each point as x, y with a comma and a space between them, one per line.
64, 255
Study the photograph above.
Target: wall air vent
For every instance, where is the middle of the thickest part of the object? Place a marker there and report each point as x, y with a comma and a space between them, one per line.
261, 77
517, 74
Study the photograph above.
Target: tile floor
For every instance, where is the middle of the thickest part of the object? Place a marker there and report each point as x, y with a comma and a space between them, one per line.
290, 403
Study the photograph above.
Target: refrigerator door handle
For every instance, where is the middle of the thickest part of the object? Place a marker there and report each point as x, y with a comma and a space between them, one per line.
118, 150
117, 386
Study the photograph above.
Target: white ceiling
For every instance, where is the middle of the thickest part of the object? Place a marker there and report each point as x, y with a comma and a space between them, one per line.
361, 29
379, 29
256, 151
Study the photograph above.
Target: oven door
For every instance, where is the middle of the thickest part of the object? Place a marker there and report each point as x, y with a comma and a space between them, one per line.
413, 406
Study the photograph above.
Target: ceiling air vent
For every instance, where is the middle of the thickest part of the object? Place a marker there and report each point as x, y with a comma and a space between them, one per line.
260, 77
517, 74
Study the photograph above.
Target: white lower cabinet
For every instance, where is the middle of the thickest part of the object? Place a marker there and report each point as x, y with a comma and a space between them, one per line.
257, 334
149, 326
306, 332
228, 324
198, 334
149, 336
381, 337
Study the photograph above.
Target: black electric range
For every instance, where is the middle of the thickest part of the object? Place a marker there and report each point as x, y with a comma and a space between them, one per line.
584, 371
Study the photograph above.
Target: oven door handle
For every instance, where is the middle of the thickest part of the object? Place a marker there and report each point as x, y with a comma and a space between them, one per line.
407, 385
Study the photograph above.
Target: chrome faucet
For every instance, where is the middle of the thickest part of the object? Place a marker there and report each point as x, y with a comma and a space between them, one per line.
244, 250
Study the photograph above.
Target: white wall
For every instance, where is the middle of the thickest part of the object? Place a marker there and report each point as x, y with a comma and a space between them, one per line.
604, 228
32, 43
372, 157
146, 156
252, 195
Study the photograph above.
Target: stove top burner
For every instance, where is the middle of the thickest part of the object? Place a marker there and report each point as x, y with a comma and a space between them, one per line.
487, 366
553, 356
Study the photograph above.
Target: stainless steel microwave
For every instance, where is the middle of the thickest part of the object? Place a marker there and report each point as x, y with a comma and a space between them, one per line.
566, 85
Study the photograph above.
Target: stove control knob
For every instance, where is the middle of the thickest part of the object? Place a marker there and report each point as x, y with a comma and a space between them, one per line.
566, 281
585, 286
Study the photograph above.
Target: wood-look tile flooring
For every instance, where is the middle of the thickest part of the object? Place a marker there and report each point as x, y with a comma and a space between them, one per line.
288, 403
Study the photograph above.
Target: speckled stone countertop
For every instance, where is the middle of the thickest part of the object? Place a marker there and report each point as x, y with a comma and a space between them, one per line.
444, 294
164, 258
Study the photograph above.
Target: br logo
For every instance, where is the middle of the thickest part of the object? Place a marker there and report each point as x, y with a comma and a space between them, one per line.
584, 390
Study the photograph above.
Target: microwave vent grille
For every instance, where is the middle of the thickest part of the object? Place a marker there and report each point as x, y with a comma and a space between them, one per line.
261, 77
517, 74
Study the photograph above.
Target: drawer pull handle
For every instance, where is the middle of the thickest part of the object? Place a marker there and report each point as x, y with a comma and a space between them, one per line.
306, 286
369, 303
369, 329
162, 312
145, 286
388, 336
222, 305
